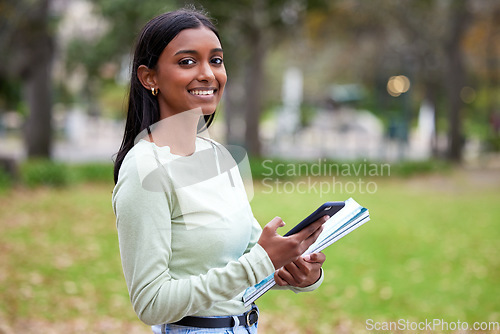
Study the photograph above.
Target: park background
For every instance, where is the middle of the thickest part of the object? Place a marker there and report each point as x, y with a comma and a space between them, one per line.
350, 84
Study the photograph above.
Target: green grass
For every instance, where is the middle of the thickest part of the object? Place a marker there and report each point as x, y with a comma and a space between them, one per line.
429, 251
61, 252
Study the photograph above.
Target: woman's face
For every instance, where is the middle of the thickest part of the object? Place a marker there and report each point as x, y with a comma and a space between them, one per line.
190, 73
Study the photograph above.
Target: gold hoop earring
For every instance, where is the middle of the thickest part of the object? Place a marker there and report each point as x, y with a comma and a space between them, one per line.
154, 91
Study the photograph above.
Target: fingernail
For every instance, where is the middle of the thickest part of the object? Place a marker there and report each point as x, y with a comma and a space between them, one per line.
307, 257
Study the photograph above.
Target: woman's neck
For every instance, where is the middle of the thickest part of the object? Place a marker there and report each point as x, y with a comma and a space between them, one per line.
178, 132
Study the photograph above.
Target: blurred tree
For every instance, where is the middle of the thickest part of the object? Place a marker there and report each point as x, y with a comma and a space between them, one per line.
439, 47
104, 55
27, 38
432, 33
248, 29
423, 39
379, 37
492, 60
423, 42
124, 20
455, 78
436, 48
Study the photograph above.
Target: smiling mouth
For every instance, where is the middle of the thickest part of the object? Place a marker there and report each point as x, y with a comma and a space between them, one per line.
202, 92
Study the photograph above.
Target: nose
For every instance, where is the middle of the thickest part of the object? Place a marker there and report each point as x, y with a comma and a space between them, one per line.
205, 73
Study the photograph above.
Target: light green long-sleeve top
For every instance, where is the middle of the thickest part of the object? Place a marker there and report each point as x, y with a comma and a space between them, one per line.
187, 235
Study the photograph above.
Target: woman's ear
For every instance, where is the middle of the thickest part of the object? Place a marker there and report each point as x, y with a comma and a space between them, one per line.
147, 77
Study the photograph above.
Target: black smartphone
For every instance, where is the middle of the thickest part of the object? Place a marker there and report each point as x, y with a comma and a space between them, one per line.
326, 209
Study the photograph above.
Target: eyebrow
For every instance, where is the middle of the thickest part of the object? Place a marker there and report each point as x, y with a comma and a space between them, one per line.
196, 52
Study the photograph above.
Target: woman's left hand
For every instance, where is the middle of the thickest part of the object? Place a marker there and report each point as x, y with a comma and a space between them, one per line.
305, 271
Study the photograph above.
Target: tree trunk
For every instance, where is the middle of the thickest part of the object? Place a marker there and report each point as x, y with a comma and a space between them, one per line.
455, 79
38, 127
253, 93
39, 44
493, 65
233, 113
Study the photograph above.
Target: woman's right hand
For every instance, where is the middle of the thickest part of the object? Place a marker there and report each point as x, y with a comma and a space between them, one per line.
283, 250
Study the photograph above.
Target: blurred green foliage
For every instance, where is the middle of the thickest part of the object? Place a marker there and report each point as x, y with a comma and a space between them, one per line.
411, 168
93, 172
38, 172
5, 181
113, 101
493, 143
43, 172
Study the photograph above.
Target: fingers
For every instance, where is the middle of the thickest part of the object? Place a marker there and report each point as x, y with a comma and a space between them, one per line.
280, 281
302, 272
284, 277
296, 273
313, 228
311, 239
315, 258
284, 250
273, 244
274, 224
300, 269
302, 240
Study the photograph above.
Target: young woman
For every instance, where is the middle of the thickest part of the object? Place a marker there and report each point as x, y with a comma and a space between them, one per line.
188, 240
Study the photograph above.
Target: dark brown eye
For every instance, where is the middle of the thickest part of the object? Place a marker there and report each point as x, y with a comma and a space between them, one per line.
187, 61
217, 61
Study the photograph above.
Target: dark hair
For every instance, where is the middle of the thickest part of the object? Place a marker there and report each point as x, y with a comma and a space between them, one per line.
143, 109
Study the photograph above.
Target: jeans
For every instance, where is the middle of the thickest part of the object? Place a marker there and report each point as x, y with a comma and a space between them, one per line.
176, 329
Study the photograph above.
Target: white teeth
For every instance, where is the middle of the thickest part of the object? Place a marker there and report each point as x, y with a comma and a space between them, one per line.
202, 92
